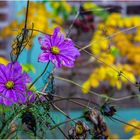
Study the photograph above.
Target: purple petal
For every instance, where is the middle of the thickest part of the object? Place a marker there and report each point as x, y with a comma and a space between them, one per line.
20, 88
58, 63
72, 52
7, 98
55, 60
2, 73
1, 100
18, 80
31, 96
14, 96
21, 98
1, 95
67, 43
60, 39
16, 67
67, 48
42, 98
44, 57
52, 57
67, 56
55, 36
67, 62
2, 87
45, 42
26, 78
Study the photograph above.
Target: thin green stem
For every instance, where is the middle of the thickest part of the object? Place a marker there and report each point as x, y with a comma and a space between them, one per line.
53, 119
126, 123
111, 66
24, 32
95, 93
77, 98
39, 76
71, 99
66, 122
10, 120
124, 30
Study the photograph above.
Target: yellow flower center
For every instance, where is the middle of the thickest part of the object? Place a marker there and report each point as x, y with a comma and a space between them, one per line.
55, 50
79, 129
9, 84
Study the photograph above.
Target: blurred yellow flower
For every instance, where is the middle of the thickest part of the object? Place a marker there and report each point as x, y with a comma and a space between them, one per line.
3, 61
105, 73
107, 58
135, 137
86, 87
89, 5
127, 22
120, 45
62, 4
39, 16
136, 132
135, 20
67, 6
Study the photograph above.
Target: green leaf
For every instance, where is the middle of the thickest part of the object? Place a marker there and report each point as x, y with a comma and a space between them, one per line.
28, 68
4, 108
114, 51
33, 88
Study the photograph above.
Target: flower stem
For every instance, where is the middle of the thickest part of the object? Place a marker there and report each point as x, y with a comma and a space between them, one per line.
95, 93
39, 76
12, 117
66, 122
20, 43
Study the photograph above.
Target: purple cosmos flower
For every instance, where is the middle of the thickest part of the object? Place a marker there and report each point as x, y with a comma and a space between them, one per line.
58, 49
12, 84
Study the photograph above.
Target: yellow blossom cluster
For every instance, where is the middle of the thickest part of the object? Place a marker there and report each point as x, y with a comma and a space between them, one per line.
117, 50
117, 20
136, 132
105, 73
39, 18
62, 4
95, 9
129, 50
3, 61
89, 5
